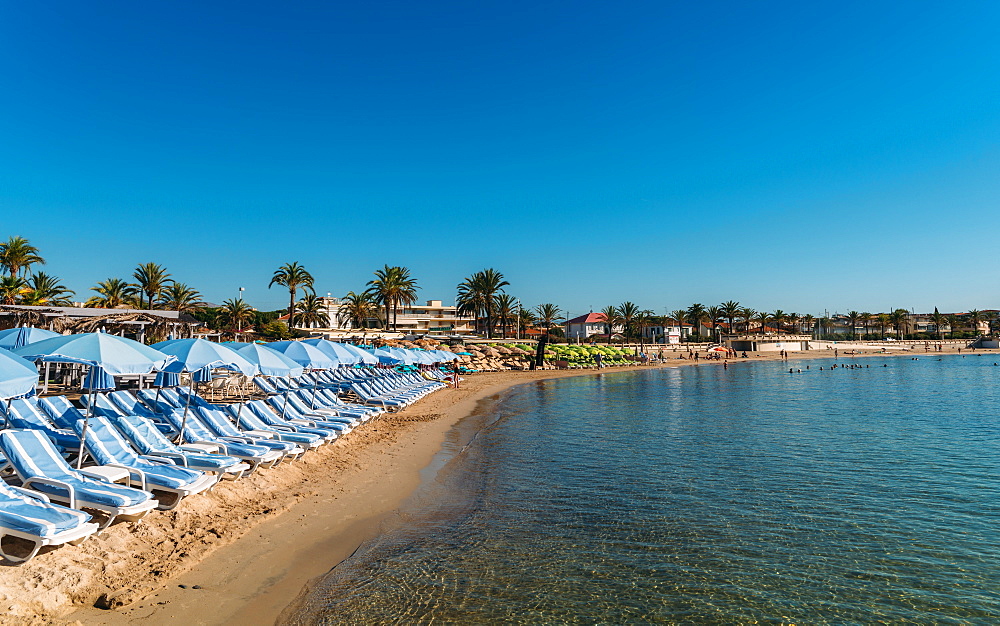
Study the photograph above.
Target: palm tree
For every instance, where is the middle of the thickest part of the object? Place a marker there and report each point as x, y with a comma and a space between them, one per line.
643, 319
311, 312
762, 318
11, 288
46, 289
357, 308
548, 315
525, 318
795, 322
235, 313
866, 319
610, 318
747, 315
151, 279
179, 297
939, 321
111, 293
677, 317
714, 316
808, 322
883, 320
695, 316
392, 287
292, 276
853, 317
779, 317
975, 316
505, 306
730, 310
477, 295
17, 255
899, 319
628, 312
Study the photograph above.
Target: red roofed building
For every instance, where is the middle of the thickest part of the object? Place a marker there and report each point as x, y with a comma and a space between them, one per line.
587, 325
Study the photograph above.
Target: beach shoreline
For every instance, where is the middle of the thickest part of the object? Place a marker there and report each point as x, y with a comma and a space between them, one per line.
248, 551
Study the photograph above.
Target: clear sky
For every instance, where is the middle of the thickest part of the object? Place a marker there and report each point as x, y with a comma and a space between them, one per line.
794, 155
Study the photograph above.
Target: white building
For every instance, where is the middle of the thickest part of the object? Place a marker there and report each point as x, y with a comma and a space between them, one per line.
433, 317
584, 326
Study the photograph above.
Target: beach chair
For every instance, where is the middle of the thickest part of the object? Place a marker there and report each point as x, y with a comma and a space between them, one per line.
368, 397
148, 440
306, 411
61, 411
328, 399
150, 473
265, 385
39, 467
29, 516
24, 413
251, 424
288, 412
218, 422
129, 404
269, 417
195, 432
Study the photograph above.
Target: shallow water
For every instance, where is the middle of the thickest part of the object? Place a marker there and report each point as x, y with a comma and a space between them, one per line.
703, 495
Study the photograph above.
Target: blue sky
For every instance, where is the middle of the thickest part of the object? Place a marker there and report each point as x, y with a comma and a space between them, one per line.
801, 156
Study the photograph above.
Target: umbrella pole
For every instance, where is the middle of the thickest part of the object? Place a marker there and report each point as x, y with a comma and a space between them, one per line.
86, 421
187, 406
156, 402
285, 405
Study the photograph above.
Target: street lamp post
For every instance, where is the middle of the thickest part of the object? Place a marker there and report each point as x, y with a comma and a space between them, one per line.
239, 321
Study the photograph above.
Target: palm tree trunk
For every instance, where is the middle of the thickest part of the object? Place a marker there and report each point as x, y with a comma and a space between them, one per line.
291, 308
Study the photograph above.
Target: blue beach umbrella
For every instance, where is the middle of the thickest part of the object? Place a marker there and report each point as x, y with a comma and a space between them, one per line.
270, 361
335, 350
200, 357
17, 376
306, 355
385, 356
107, 355
23, 335
364, 356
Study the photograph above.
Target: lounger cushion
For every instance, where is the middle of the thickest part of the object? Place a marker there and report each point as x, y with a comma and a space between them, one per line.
28, 515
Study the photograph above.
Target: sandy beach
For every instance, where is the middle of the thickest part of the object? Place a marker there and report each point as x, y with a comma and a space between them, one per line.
244, 552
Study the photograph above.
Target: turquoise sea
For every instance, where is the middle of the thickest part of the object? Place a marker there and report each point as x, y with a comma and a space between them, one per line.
700, 494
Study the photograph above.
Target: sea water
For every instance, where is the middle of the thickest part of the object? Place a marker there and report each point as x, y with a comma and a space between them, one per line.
703, 494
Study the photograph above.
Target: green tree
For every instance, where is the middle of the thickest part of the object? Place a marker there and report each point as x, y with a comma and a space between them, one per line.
525, 319
900, 319
974, 316
677, 317
731, 311
505, 307
292, 276
477, 296
111, 293
714, 315
151, 279
808, 321
695, 315
311, 312
393, 287
46, 289
939, 320
610, 317
234, 314
11, 288
747, 315
853, 318
628, 312
779, 318
357, 308
763, 318
547, 314
179, 297
17, 255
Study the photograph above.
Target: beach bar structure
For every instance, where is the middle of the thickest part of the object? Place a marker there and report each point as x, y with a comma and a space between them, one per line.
767, 342
58, 318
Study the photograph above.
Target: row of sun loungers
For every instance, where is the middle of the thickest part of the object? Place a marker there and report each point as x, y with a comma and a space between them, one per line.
153, 448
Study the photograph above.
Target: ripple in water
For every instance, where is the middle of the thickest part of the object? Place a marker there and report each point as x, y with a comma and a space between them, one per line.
702, 494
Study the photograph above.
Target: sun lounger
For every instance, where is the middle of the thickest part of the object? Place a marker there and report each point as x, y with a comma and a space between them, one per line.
29, 515
269, 417
37, 464
148, 440
129, 404
61, 411
320, 412
289, 412
150, 473
250, 423
195, 432
218, 422
24, 413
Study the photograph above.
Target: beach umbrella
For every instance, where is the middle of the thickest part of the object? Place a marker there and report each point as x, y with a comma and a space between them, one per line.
200, 357
23, 335
364, 356
335, 350
306, 355
17, 376
107, 355
270, 361
385, 356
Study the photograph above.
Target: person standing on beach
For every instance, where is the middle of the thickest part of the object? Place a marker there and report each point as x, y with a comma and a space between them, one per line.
600, 361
